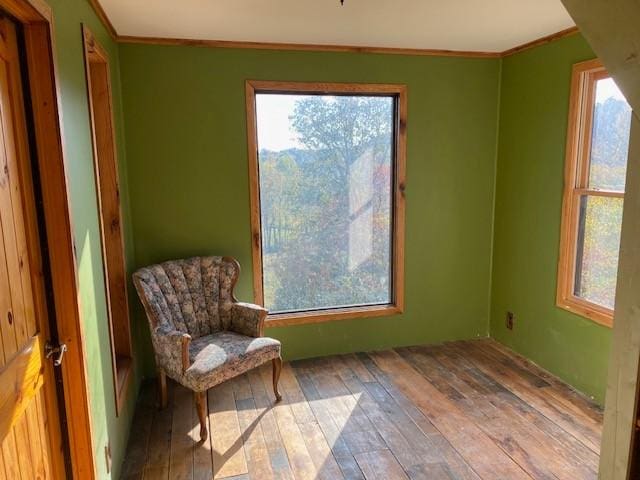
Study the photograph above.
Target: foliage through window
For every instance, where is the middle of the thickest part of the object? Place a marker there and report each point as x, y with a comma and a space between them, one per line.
596, 167
327, 178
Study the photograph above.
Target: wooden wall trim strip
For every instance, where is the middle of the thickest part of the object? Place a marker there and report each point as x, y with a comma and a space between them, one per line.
48, 137
311, 47
305, 47
541, 41
104, 18
28, 11
345, 48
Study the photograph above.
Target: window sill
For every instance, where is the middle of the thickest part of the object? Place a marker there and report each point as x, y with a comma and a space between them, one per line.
321, 316
592, 311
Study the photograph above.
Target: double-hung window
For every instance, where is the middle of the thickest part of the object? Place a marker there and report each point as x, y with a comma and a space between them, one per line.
327, 199
595, 170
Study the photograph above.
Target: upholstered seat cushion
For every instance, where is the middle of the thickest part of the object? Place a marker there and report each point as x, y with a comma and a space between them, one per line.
220, 356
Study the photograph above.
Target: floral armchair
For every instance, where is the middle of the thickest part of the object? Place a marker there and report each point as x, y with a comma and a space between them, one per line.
201, 334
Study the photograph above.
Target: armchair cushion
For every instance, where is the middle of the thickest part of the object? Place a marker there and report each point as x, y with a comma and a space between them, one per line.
224, 355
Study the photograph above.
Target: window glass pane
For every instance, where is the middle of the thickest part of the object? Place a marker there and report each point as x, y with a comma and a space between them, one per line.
326, 168
598, 244
610, 137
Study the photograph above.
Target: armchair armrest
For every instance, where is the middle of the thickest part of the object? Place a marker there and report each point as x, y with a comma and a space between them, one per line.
247, 319
172, 348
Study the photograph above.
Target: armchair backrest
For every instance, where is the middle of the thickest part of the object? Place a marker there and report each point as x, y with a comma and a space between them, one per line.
192, 296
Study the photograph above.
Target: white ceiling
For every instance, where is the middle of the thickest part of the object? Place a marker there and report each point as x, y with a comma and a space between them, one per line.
474, 25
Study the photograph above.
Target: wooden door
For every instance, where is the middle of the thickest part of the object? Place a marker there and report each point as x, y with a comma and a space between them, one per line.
29, 423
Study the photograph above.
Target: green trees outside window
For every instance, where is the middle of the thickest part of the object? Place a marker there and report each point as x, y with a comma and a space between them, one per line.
326, 199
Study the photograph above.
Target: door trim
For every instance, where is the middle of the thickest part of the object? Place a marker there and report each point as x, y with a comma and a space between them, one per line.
37, 21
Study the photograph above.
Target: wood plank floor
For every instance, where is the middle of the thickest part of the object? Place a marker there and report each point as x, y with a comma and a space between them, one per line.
461, 410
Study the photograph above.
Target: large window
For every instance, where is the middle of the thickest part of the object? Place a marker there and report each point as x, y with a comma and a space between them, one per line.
327, 193
596, 164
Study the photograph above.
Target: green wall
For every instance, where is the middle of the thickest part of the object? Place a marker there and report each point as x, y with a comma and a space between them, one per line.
68, 17
185, 191
534, 108
188, 177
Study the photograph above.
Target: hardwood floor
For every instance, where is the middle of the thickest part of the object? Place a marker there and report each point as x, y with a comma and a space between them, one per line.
461, 410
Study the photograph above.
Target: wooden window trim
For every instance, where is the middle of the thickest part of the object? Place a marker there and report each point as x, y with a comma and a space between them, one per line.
399, 182
105, 163
576, 179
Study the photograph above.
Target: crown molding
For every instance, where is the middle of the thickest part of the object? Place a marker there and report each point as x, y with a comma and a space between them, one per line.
304, 47
104, 18
321, 47
541, 41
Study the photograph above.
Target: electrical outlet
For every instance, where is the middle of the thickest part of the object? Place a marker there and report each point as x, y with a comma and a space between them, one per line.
509, 320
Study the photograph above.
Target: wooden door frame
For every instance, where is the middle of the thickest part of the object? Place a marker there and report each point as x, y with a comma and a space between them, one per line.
36, 18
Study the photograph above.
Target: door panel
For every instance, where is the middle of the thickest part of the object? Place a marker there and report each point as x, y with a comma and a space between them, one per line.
29, 433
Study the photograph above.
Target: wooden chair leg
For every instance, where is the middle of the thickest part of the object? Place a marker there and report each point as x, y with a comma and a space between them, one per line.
162, 388
277, 367
201, 406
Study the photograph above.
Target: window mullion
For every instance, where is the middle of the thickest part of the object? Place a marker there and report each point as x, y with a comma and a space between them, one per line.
599, 193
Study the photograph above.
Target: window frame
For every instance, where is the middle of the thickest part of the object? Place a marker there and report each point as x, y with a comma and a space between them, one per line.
253, 87
585, 76
112, 248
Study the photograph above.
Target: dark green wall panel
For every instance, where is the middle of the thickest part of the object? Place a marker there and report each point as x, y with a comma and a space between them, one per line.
186, 145
534, 107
